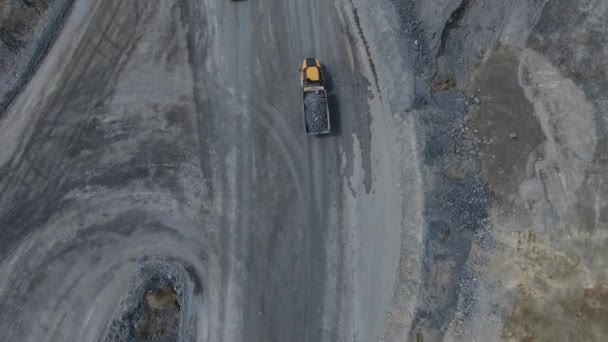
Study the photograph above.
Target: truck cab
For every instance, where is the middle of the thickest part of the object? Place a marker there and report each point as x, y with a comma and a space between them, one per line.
311, 73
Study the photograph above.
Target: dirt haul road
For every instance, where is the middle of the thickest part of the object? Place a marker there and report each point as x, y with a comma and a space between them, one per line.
156, 182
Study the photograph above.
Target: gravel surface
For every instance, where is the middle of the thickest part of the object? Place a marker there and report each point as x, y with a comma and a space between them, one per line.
501, 98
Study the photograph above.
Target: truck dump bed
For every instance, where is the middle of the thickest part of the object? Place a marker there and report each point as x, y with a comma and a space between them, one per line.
316, 112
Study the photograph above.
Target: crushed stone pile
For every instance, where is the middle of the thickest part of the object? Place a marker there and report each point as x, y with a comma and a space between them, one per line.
315, 106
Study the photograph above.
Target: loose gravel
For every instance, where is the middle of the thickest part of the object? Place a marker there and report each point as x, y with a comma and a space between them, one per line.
315, 111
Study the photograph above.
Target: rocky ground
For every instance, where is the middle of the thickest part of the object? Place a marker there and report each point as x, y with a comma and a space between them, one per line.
156, 183
513, 129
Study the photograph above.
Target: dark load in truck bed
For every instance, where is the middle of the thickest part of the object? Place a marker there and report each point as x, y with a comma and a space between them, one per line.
316, 115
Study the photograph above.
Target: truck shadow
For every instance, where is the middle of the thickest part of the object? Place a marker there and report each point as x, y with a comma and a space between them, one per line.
334, 106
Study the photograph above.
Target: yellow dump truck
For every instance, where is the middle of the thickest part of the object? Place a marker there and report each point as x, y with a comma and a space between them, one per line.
316, 109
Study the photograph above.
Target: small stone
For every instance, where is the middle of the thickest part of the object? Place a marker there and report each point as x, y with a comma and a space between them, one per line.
512, 135
476, 100
466, 118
